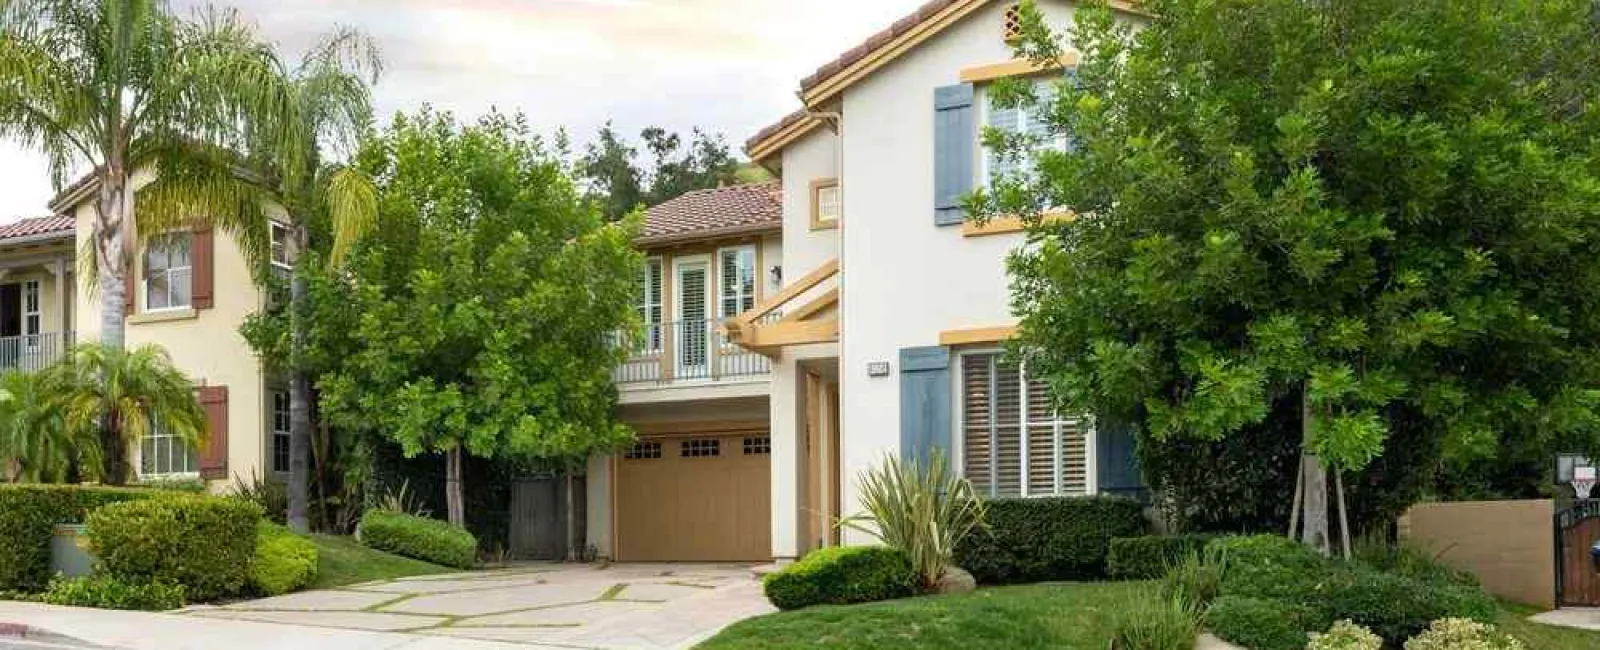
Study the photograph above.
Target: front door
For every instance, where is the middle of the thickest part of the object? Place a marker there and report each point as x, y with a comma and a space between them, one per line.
10, 310
692, 311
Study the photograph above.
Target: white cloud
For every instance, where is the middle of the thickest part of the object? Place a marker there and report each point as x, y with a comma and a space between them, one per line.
729, 66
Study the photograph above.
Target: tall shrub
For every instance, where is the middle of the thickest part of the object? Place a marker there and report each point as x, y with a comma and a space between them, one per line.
203, 543
28, 513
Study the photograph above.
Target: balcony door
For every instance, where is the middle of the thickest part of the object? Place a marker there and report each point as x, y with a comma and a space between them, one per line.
691, 312
10, 310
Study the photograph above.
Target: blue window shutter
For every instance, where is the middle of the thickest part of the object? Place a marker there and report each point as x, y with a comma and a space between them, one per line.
955, 143
1117, 460
924, 402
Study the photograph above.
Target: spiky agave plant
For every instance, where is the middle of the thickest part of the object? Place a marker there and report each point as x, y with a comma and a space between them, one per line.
923, 510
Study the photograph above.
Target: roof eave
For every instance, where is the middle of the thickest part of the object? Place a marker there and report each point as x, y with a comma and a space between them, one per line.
708, 235
37, 238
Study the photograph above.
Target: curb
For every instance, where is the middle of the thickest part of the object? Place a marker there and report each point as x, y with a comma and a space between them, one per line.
14, 630
24, 631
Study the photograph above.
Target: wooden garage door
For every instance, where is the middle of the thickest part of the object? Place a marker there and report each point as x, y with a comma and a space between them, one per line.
695, 499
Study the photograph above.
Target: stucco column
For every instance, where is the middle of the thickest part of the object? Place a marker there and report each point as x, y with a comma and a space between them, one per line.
787, 421
58, 269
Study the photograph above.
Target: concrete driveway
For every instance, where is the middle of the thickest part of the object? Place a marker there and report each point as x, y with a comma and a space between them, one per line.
621, 607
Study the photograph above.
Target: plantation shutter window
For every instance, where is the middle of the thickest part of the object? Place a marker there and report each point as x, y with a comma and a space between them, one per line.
1013, 442
214, 453
737, 280
649, 304
1021, 120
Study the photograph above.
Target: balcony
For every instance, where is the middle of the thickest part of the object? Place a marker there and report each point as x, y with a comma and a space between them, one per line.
33, 352
685, 351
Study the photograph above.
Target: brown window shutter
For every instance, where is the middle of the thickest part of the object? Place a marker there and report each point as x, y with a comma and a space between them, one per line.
130, 289
214, 453
202, 257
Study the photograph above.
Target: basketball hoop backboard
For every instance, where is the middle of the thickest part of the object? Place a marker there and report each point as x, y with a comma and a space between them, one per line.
1578, 472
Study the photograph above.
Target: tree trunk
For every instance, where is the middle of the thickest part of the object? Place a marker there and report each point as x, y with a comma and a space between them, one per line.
1315, 534
1344, 516
113, 226
452, 487
299, 408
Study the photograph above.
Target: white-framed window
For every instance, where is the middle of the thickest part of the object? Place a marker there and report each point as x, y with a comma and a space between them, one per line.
163, 454
649, 305
1020, 120
737, 280
826, 203
280, 431
32, 312
1010, 441
280, 246
167, 272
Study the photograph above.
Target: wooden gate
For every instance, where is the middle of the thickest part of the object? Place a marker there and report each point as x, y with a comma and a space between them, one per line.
539, 517
1577, 570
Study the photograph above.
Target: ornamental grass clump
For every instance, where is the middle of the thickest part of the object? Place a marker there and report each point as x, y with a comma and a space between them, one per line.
924, 511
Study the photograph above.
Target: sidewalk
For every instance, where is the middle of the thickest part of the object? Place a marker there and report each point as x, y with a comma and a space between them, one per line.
147, 631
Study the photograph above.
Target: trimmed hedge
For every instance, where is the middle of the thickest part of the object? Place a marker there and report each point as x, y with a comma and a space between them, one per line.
1260, 624
283, 561
1149, 557
1057, 538
425, 539
842, 575
1271, 566
28, 513
203, 543
106, 592
1398, 607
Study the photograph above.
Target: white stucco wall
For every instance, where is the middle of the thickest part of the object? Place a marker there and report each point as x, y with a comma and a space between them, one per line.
907, 280
812, 157
205, 345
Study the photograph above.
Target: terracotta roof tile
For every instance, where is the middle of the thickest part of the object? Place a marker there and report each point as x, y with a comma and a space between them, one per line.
773, 128
722, 211
37, 226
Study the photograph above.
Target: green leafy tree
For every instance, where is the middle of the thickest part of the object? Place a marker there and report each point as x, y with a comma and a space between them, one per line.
481, 313
138, 388
110, 84
612, 176
1385, 212
328, 108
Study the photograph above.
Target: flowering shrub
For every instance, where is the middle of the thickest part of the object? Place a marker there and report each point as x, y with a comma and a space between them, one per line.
1345, 635
1462, 634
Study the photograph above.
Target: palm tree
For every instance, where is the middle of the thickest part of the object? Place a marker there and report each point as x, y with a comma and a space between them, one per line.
330, 102
110, 83
34, 434
137, 388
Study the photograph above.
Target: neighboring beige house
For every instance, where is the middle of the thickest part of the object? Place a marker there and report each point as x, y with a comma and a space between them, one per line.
36, 291
885, 335
189, 292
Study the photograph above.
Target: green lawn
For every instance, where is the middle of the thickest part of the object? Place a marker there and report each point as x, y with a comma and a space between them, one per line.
1070, 615
344, 561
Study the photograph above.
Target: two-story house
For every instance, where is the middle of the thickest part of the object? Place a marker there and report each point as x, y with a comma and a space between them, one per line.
885, 336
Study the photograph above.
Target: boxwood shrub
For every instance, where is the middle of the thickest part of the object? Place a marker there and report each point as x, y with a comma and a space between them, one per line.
1149, 557
28, 513
202, 543
1271, 566
425, 539
1261, 624
842, 575
283, 561
1398, 607
106, 592
1057, 538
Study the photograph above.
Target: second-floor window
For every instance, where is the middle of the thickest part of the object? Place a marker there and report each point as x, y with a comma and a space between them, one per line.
826, 206
280, 246
737, 280
1020, 120
32, 317
167, 272
649, 304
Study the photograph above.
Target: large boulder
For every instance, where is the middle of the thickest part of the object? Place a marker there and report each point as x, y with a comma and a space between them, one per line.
955, 580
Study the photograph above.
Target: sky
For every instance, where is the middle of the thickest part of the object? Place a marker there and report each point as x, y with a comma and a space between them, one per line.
728, 66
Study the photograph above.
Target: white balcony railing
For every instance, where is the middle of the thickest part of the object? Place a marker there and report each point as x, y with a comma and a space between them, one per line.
685, 351
33, 352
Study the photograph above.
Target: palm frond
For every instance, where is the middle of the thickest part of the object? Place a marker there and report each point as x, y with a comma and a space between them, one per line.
352, 200
201, 186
